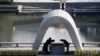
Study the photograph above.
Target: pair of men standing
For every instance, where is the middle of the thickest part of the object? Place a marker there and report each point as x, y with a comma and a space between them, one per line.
50, 40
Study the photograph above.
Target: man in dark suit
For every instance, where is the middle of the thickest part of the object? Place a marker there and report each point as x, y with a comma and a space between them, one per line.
46, 44
66, 44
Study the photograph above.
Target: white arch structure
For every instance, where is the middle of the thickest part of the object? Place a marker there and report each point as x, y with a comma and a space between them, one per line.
58, 17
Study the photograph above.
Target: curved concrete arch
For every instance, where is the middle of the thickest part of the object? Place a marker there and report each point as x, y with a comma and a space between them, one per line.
58, 17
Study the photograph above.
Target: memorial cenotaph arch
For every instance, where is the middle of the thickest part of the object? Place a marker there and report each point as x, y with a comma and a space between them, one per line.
62, 17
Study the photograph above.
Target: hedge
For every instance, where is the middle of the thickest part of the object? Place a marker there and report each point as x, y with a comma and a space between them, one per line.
5, 1
87, 53
18, 53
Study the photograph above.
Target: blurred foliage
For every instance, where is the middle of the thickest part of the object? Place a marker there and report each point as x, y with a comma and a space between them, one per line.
87, 53
5, 1
18, 53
